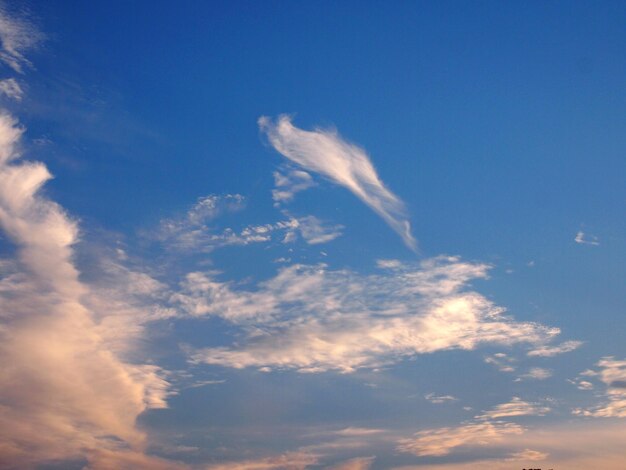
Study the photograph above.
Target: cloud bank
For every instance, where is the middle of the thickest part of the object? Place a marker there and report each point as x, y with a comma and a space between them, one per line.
326, 153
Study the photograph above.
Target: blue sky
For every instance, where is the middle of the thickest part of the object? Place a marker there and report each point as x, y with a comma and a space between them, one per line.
347, 235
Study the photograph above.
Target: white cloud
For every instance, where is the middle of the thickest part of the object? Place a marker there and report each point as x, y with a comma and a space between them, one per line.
326, 153
315, 232
484, 430
358, 432
289, 183
501, 361
585, 239
10, 88
193, 231
529, 455
439, 399
17, 36
613, 374
549, 351
311, 319
66, 391
584, 385
516, 407
537, 373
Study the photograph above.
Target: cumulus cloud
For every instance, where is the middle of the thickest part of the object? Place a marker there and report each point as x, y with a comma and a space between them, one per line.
549, 351
326, 153
313, 319
17, 36
66, 392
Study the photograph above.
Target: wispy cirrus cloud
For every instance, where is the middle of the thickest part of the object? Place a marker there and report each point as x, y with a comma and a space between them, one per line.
441, 441
326, 153
484, 430
195, 231
17, 36
440, 399
516, 407
536, 373
11, 89
549, 351
312, 319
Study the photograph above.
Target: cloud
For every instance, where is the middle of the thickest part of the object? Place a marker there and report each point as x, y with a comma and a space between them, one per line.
582, 238
359, 463
312, 319
537, 373
67, 393
516, 407
194, 231
11, 89
529, 455
484, 430
358, 432
613, 374
574, 446
441, 441
501, 361
17, 36
326, 153
314, 231
439, 399
549, 351
289, 183
288, 461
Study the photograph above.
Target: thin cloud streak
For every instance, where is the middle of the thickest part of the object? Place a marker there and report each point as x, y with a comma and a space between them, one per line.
326, 153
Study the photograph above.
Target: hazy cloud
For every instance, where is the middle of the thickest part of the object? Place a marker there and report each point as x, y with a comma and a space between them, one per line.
441, 441
17, 36
439, 399
11, 89
585, 239
549, 351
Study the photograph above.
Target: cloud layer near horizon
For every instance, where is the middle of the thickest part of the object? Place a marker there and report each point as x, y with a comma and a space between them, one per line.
326, 153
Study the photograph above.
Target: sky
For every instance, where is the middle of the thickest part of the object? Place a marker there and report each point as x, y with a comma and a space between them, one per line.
312, 235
